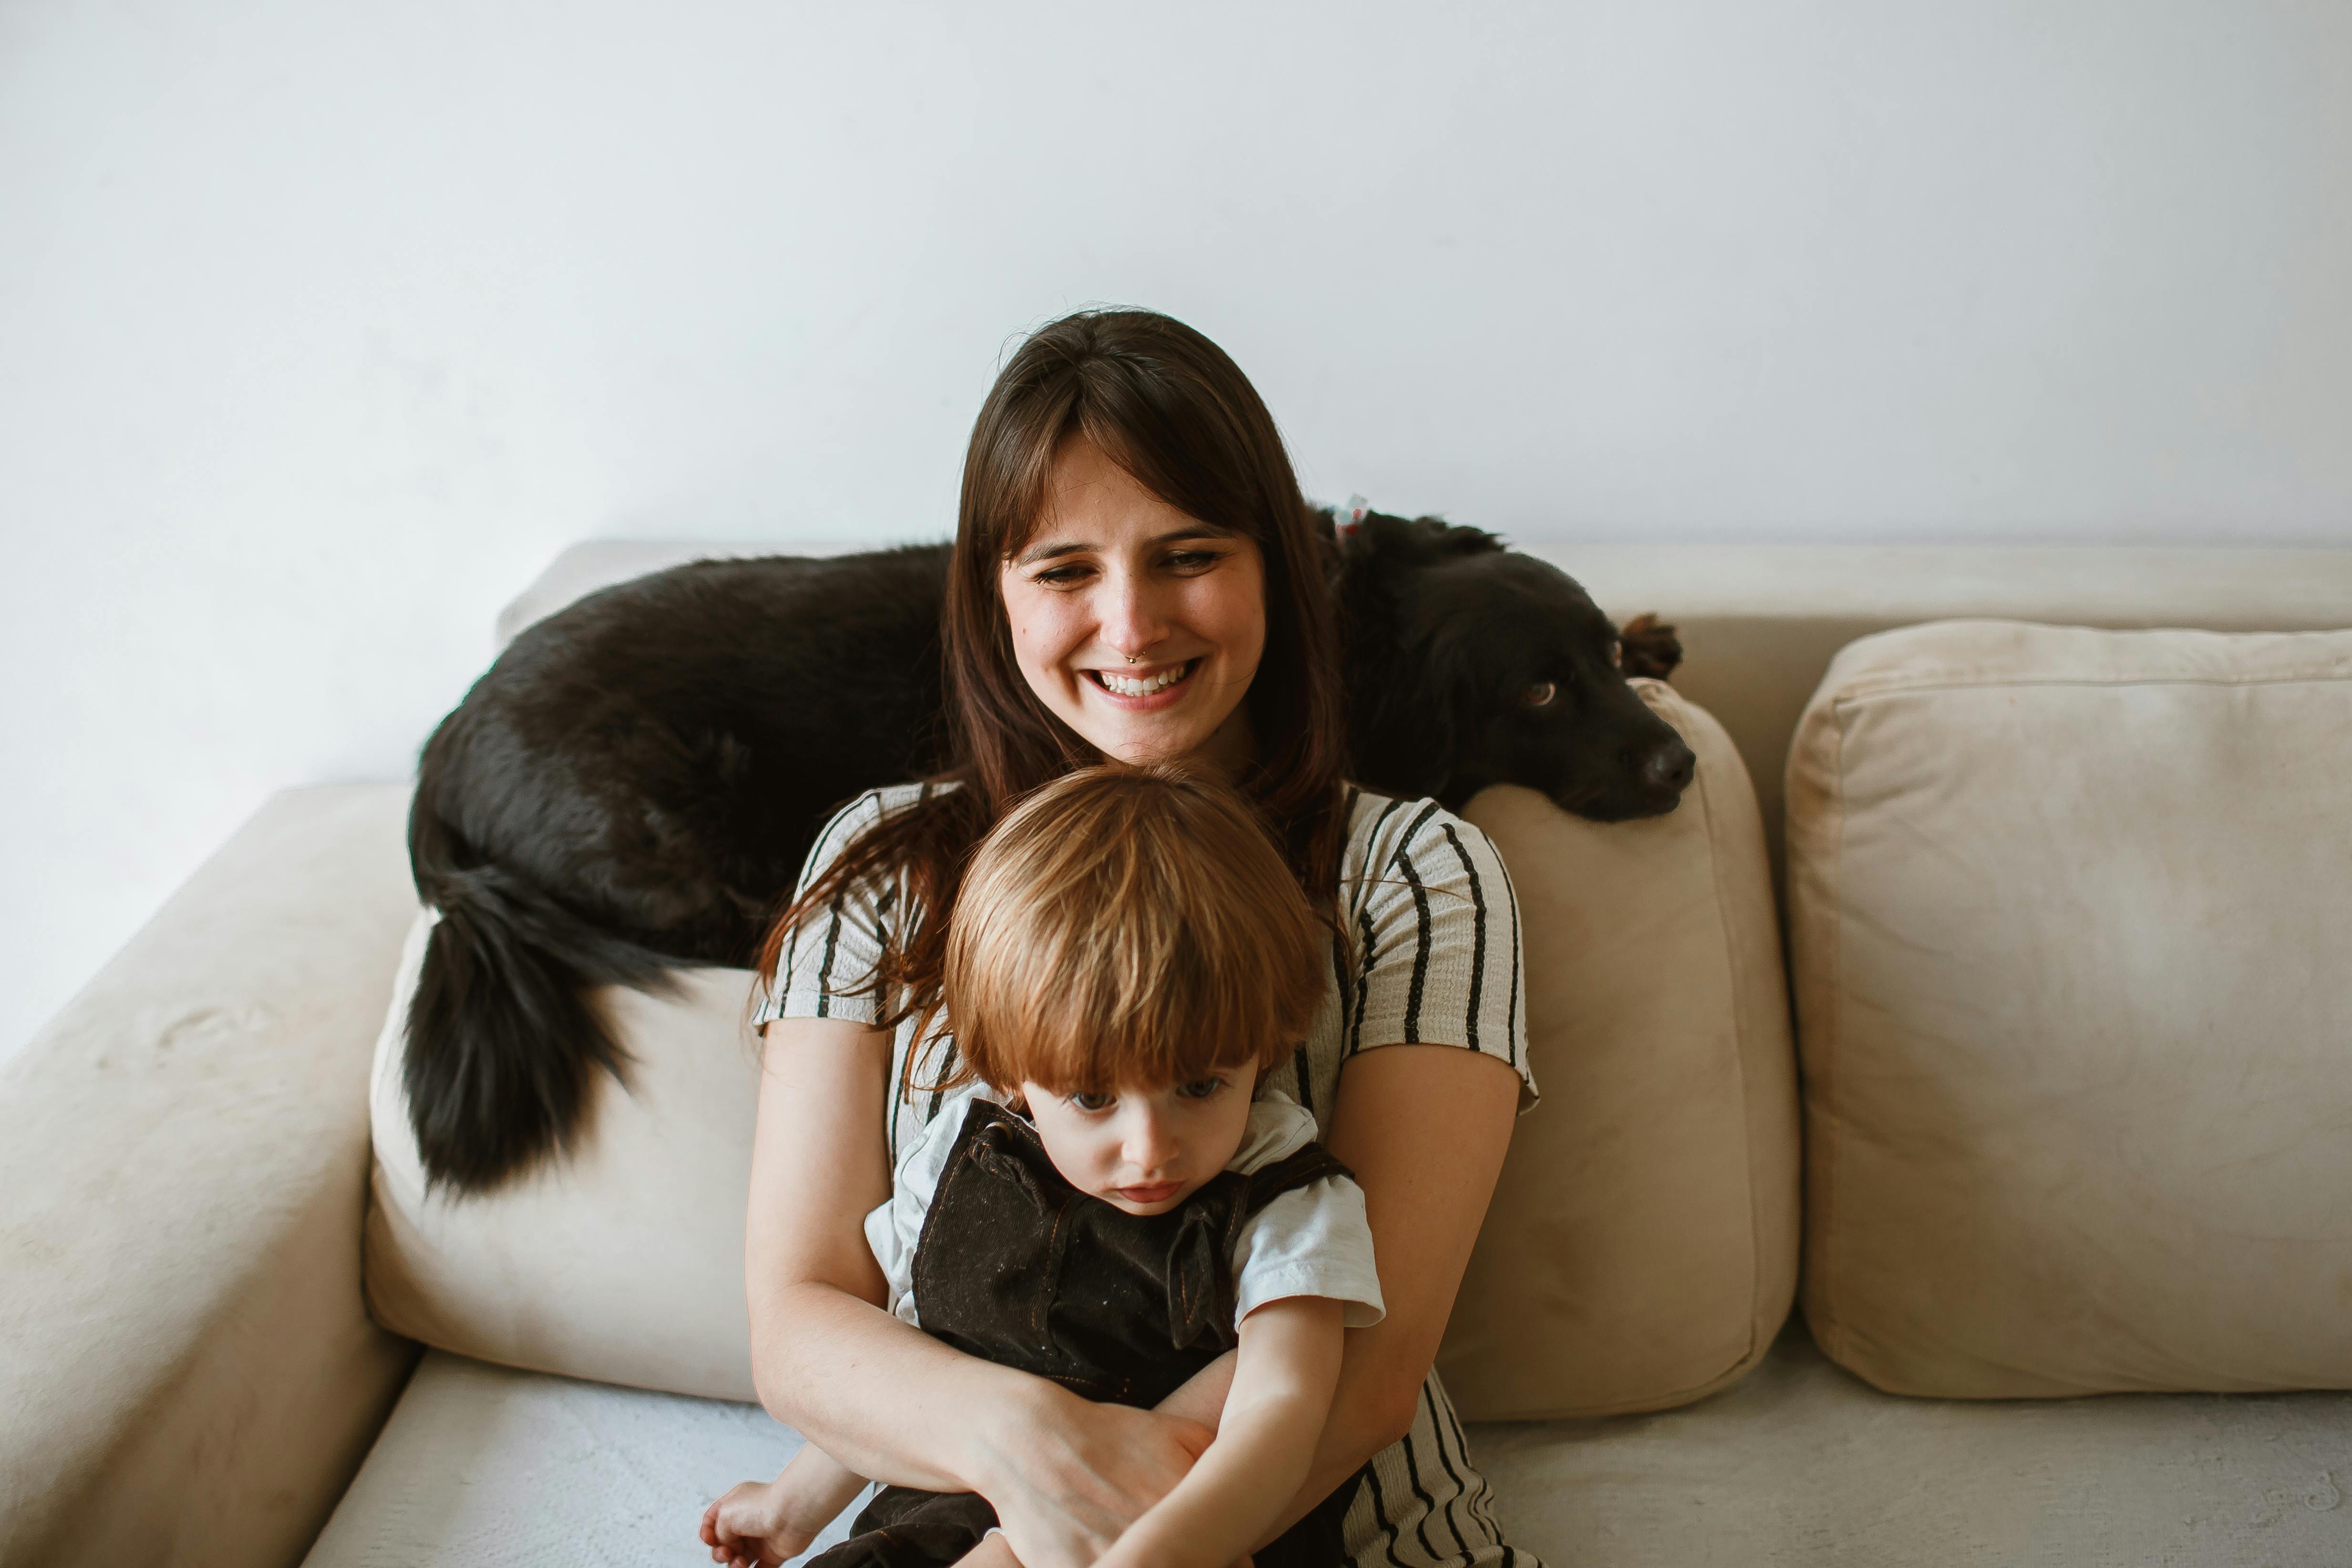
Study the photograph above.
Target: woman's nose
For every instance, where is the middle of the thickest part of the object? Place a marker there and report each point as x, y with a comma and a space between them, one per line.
1132, 619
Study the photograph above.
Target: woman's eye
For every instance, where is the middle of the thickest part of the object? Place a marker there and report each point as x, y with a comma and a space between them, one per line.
1541, 692
1201, 1088
1060, 576
1093, 1101
1195, 559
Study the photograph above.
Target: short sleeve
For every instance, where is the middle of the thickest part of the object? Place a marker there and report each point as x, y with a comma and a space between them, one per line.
827, 968
1311, 1241
1436, 928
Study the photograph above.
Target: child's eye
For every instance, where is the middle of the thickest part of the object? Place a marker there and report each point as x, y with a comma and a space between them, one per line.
1092, 1101
1201, 1088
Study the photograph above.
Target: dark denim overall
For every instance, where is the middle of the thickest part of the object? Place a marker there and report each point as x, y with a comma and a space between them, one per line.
1017, 1266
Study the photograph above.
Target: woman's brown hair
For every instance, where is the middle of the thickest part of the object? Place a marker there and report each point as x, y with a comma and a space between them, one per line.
1168, 406
1128, 927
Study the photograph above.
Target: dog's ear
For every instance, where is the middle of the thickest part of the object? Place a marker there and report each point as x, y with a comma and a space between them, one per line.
1406, 738
1648, 646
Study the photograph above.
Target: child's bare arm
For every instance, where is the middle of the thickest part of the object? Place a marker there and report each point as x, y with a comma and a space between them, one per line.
761, 1525
1281, 1393
1202, 1397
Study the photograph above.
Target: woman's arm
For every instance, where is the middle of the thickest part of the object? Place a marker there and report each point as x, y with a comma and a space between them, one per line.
882, 1397
1281, 1393
1425, 1128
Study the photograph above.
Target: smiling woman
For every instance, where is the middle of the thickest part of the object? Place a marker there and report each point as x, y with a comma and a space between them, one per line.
1139, 627
1135, 578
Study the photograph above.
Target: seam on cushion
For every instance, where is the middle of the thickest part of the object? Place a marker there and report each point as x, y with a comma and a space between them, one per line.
1739, 1043
1867, 689
1834, 962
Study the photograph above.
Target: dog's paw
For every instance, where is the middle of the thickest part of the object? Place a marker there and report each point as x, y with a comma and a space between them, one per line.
1647, 646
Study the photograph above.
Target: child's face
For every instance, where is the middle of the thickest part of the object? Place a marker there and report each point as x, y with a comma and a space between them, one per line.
1145, 1150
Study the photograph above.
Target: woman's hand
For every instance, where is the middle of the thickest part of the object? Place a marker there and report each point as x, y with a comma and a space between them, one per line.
1068, 1475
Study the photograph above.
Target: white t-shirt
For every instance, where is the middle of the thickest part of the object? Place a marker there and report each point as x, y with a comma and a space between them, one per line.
1310, 1241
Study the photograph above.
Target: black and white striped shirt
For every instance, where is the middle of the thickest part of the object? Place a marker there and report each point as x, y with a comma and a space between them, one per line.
1433, 958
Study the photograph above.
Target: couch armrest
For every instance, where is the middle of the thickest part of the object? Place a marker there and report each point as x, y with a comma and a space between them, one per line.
187, 1369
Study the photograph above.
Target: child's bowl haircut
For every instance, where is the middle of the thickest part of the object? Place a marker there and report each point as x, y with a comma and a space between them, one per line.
1129, 926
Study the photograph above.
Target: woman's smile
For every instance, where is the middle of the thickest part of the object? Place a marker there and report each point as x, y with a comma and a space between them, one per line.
1144, 691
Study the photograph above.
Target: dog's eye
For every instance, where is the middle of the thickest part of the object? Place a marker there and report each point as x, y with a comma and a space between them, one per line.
1541, 692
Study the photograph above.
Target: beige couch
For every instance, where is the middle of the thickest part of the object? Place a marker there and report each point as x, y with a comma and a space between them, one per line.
189, 1371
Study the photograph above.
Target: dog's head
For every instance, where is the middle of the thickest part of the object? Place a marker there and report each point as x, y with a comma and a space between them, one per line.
1469, 664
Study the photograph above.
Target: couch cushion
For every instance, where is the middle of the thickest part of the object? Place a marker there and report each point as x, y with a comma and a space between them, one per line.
2068, 911
1800, 1467
1620, 1272
482, 1466
624, 1263
1642, 1248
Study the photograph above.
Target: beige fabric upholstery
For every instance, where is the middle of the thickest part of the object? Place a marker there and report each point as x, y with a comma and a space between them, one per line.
2069, 912
1800, 1466
1642, 1248
622, 1264
480, 1465
187, 1375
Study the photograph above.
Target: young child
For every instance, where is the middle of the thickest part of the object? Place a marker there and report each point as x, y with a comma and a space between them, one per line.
1126, 957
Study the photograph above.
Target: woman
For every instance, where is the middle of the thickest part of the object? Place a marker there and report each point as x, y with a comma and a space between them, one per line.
1135, 578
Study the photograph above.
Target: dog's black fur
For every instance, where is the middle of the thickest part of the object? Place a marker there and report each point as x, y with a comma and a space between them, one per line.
633, 785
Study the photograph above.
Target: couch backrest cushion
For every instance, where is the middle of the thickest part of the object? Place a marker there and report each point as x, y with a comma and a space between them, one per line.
1642, 1249
2068, 915
624, 1263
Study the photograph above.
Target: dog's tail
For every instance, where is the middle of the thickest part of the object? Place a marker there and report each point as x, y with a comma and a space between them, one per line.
503, 1044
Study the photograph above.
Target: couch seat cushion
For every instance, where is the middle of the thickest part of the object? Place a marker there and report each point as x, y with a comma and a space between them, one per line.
480, 1465
1800, 1466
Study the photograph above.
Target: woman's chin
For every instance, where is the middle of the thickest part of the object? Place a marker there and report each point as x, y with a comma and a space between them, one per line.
1167, 735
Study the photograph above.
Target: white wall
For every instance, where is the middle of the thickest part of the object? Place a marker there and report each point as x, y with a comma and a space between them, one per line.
323, 325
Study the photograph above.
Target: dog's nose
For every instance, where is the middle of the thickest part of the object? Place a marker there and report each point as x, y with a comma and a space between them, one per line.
1669, 768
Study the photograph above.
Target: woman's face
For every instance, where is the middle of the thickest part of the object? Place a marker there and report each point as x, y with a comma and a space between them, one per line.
1137, 626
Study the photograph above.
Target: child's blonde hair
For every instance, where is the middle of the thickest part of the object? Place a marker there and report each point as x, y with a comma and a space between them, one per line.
1129, 926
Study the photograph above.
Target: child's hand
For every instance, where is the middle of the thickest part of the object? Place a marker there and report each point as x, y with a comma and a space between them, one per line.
752, 1527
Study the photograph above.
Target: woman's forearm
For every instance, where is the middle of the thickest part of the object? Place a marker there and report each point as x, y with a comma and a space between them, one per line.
883, 1397
878, 1394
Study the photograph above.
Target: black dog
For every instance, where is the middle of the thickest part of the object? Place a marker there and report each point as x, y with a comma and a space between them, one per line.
633, 785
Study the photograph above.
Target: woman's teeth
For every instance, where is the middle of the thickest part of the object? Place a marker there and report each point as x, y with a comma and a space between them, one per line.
1129, 686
